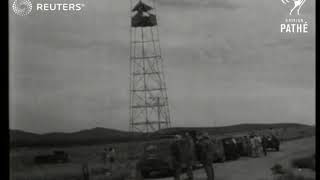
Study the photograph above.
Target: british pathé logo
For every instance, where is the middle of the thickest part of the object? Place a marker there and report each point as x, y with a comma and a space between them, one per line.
296, 5
294, 23
22, 7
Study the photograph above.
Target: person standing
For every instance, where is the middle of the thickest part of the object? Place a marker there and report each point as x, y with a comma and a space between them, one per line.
248, 146
272, 132
176, 153
104, 156
206, 155
190, 154
111, 158
85, 171
253, 146
259, 144
182, 152
264, 145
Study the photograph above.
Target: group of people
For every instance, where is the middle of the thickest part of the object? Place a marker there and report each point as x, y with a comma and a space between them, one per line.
258, 142
257, 146
189, 148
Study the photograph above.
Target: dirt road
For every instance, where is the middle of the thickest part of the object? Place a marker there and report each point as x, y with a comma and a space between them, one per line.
259, 168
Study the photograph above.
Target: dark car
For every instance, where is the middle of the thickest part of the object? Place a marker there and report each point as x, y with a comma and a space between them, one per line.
218, 150
243, 146
246, 146
156, 159
56, 157
230, 148
239, 144
271, 142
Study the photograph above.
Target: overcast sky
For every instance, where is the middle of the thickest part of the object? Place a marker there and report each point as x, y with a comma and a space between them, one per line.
226, 62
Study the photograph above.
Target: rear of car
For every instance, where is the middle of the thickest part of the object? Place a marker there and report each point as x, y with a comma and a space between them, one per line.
230, 149
60, 156
218, 151
246, 146
243, 146
272, 143
156, 159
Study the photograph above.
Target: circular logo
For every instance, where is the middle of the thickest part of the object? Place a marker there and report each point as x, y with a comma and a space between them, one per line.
22, 7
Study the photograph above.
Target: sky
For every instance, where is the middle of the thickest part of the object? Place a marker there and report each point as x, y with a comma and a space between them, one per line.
225, 63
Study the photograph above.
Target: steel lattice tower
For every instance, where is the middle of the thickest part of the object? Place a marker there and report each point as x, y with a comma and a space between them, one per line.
149, 110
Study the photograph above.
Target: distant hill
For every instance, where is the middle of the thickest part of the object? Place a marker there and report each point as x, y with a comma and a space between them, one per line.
20, 138
233, 128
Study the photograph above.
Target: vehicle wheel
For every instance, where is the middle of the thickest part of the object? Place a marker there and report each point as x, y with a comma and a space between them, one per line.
170, 172
222, 159
145, 174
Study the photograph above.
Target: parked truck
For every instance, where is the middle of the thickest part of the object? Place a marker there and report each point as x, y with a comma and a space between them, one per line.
56, 157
